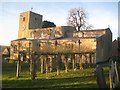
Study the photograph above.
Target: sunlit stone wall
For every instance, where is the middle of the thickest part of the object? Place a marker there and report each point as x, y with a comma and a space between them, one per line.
99, 44
59, 40
56, 46
89, 33
53, 32
29, 20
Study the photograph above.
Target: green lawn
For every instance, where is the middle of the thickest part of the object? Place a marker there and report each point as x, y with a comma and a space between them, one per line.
73, 79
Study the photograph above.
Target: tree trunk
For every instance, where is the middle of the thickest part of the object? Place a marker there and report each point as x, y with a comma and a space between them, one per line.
18, 63
18, 67
80, 63
73, 62
66, 64
32, 67
50, 64
90, 59
46, 65
41, 65
57, 64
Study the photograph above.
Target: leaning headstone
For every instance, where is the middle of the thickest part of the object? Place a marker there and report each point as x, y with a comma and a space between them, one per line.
100, 77
117, 71
112, 76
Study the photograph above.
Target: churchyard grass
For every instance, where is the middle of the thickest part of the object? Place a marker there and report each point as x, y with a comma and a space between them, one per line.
73, 79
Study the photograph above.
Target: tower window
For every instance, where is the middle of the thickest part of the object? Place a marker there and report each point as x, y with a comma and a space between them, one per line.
23, 18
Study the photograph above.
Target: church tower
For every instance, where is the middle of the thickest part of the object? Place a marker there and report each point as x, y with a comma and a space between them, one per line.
28, 20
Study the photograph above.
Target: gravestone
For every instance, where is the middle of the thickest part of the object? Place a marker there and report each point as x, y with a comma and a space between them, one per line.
100, 77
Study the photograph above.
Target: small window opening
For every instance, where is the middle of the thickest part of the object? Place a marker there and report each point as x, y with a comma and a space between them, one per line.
35, 19
24, 19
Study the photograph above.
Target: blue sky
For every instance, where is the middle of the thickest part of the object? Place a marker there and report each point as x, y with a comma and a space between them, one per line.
100, 15
119, 19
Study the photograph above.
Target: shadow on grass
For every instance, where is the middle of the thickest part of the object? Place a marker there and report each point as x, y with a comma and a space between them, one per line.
49, 83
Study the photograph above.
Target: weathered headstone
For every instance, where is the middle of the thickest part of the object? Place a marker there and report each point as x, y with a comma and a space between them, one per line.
100, 77
112, 76
117, 71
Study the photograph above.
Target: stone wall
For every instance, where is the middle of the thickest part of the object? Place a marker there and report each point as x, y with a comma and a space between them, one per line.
35, 21
99, 44
115, 48
30, 26
63, 46
29, 20
89, 33
48, 33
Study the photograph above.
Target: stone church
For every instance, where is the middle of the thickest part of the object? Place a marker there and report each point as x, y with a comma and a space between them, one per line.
92, 46
30, 26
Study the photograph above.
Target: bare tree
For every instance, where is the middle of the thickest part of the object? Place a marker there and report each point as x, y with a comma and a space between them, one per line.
77, 18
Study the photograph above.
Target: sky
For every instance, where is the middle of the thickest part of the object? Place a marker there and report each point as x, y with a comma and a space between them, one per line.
100, 14
119, 19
